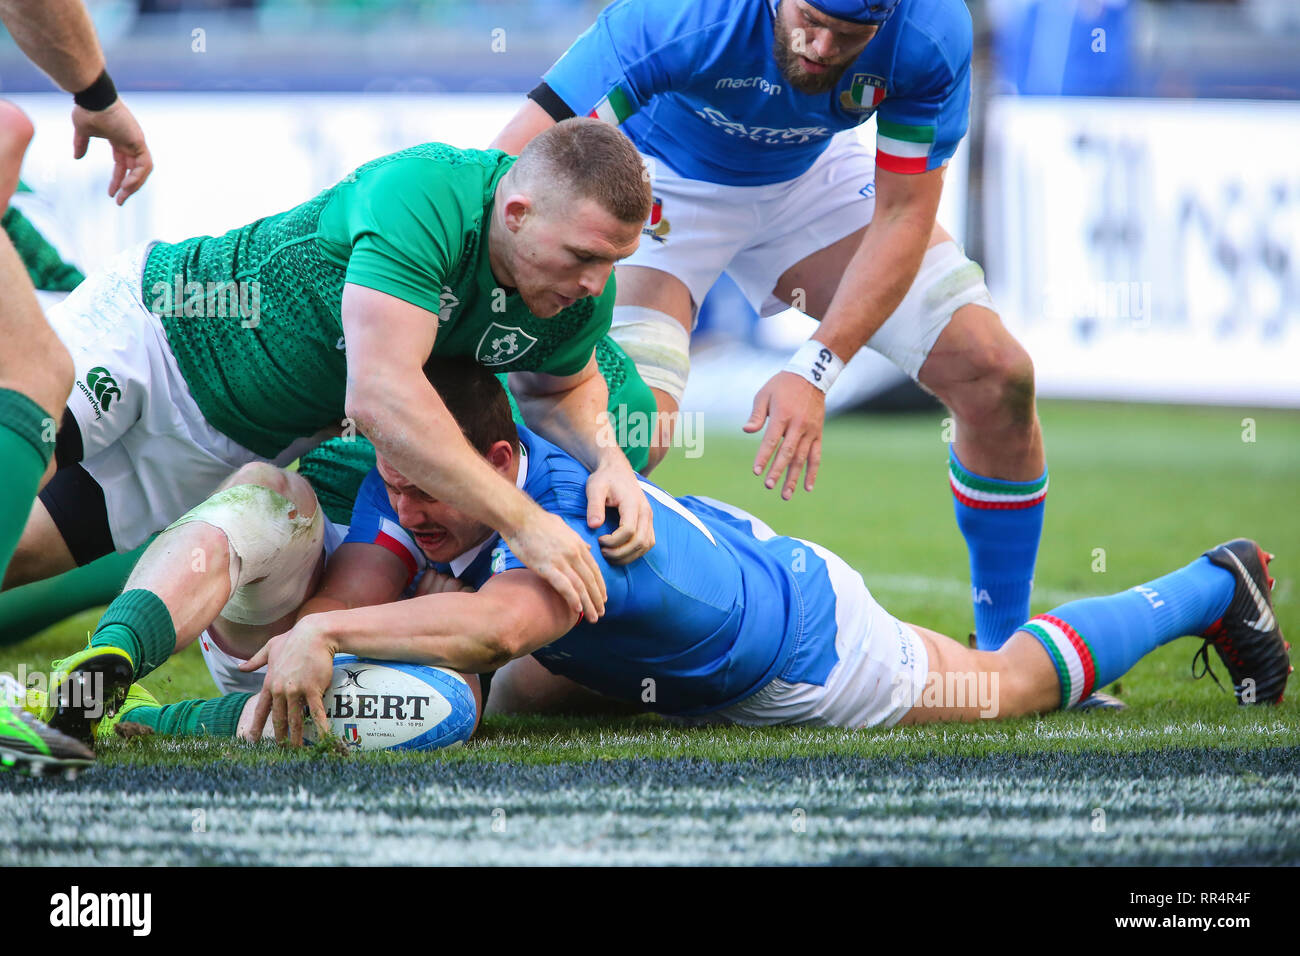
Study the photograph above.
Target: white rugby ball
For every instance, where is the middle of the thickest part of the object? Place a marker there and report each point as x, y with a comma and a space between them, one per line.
386, 705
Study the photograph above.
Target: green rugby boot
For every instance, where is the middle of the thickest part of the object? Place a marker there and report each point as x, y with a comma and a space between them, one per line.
85, 688
137, 696
31, 747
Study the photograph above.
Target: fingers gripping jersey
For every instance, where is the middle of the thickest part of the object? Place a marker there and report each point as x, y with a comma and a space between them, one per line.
712, 613
254, 317
695, 83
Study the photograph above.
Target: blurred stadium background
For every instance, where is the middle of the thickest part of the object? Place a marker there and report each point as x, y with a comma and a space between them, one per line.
1129, 181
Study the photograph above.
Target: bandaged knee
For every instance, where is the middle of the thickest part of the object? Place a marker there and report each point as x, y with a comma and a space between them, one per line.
946, 281
274, 549
658, 344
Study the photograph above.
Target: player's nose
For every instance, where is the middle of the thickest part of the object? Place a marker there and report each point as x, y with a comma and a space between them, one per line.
593, 283
409, 514
823, 45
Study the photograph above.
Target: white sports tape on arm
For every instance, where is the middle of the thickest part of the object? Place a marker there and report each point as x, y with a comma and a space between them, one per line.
276, 551
817, 363
658, 344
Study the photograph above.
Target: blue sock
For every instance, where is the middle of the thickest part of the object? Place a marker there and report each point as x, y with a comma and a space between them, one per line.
1001, 522
1095, 641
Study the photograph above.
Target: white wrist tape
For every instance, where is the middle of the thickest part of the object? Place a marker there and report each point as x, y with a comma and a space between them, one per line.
817, 363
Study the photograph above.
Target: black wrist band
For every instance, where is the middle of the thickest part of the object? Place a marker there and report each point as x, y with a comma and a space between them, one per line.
98, 96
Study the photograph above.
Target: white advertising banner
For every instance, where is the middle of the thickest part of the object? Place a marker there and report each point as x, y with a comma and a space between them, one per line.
224, 160
1149, 249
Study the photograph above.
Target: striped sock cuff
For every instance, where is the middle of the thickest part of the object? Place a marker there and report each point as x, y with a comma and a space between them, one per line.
1070, 653
994, 494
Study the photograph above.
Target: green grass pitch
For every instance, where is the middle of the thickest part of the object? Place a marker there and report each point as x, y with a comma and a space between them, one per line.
1185, 776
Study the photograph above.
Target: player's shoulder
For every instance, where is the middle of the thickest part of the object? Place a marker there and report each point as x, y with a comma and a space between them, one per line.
437, 164
555, 479
927, 29
372, 496
680, 22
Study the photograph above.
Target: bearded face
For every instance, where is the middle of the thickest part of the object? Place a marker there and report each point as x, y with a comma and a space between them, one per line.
812, 49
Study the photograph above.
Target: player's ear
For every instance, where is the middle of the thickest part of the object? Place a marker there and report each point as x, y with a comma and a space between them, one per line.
517, 208
500, 456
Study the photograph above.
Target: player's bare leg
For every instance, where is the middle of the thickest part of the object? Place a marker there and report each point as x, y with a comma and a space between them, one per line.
16, 132
261, 525
643, 287
188, 567
976, 368
986, 377
36, 375
965, 684
524, 686
41, 552
34, 361
36, 371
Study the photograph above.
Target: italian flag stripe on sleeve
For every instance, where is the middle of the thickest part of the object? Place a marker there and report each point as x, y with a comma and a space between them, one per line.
903, 149
393, 537
615, 107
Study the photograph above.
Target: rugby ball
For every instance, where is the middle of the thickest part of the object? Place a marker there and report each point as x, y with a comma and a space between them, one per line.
386, 705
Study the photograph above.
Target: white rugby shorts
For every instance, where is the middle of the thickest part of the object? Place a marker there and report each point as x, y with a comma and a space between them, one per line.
880, 670
756, 233
145, 441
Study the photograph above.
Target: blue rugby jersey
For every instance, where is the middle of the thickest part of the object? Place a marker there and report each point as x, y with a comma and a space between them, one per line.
695, 83
712, 613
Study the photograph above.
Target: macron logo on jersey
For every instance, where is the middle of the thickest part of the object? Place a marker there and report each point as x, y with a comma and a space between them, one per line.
751, 82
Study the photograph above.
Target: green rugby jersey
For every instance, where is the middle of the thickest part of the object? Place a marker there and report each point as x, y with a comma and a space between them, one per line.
45, 266
254, 316
336, 467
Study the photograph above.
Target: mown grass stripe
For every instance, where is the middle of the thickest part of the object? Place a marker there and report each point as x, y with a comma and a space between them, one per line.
1183, 806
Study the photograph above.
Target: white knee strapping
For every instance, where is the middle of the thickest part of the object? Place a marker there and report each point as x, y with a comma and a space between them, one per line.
658, 344
946, 281
276, 552
952, 280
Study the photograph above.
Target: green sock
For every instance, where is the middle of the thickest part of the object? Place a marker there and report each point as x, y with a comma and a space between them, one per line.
193, 718
24, 452
139, 623
33, 607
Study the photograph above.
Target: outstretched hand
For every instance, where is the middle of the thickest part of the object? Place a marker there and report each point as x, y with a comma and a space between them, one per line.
132, 162
299, 671
795, 410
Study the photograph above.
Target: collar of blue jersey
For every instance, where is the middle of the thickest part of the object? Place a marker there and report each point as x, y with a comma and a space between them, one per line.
460, 564
856, 11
